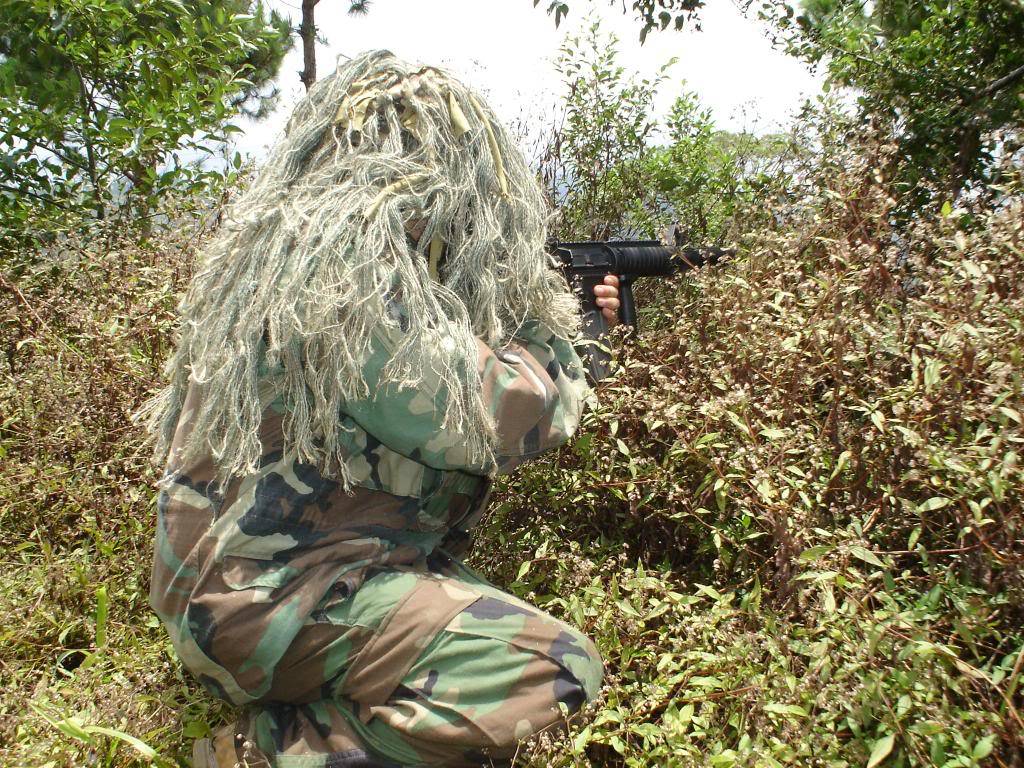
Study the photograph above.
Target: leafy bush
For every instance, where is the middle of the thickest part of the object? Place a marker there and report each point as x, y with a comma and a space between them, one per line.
795, 524
945, 78
613, 169
595, 165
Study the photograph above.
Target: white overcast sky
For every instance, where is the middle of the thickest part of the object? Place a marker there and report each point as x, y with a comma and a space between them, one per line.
506, 49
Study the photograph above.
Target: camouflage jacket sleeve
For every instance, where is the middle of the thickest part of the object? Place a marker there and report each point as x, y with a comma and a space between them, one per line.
534, 388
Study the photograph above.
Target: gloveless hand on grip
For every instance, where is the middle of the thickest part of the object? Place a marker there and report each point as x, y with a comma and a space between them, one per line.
585, 265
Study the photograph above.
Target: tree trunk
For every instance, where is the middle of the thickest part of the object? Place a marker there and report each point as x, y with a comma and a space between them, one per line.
307, 31
88, 108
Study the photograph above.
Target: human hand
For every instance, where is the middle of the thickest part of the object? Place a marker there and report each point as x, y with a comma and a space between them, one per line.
608, 299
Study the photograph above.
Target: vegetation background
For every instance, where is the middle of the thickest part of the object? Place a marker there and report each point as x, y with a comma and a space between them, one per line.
794, 525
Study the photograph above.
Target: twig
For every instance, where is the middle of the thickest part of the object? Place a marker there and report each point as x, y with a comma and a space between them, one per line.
31, 310
956, 551
1011, 685
670, 699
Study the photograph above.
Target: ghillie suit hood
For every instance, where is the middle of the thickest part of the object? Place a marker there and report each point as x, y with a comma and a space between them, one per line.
312, 258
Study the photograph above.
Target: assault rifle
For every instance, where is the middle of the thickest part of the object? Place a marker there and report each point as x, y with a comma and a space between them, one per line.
585, 265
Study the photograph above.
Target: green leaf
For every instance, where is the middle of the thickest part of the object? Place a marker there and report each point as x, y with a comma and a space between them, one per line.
581, 739
932, 504
812, 554
72, 726
867, 556
881, 750
626, 607
878, 419
102, 609
706, 681
147, 752
617, 744
984, 747
786, 709
841, 462
1010, 412
711, 592
195, 729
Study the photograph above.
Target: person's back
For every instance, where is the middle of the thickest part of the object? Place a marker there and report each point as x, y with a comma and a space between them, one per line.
346, 386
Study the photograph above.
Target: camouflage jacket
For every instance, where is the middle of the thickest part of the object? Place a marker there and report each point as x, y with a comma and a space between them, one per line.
266, 554
534, 388
395, 439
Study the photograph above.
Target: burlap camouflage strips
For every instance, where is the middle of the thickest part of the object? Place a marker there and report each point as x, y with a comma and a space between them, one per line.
343, 618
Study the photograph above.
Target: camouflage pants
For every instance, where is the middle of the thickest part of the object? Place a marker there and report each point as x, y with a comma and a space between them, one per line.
352, 634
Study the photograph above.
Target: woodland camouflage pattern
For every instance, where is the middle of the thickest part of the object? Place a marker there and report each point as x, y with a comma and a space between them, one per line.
346, 618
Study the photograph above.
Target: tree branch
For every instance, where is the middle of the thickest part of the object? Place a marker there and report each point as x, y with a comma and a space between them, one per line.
34, 195
46, 144
87, 108
999, 84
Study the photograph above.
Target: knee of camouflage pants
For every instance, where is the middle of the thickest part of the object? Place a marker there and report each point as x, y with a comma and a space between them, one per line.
451, 672
350, 646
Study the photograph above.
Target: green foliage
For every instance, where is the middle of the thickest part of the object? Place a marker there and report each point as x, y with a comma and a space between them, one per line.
104, 104
595, 166
612, 170
88, 674
945, 77
704, 175
650, 14
795, 524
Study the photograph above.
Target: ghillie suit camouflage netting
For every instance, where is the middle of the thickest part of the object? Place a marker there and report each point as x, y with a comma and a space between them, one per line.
316, 260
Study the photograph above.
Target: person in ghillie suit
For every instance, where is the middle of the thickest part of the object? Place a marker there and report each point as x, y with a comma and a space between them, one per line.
374, 333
